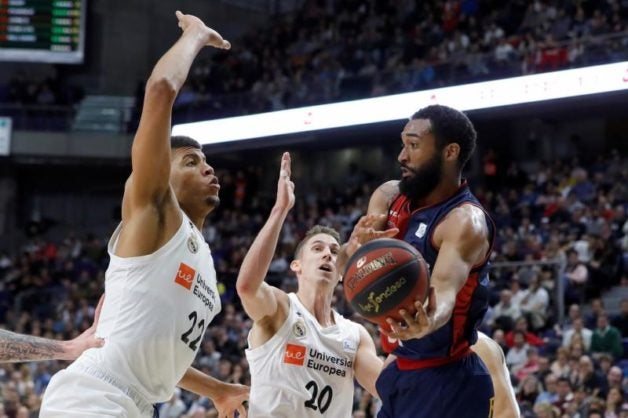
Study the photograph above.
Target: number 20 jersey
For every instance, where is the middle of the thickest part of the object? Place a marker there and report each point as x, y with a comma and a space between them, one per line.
304, 370
156, 310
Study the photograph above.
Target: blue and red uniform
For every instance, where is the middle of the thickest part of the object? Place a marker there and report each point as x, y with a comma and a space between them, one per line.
438, 375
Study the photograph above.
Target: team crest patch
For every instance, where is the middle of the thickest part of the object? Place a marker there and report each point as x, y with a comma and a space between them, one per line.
299, 328
421, 230
193, 244
349, 346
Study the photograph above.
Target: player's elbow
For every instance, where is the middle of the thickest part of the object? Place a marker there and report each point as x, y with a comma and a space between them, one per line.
244, 288
161, 87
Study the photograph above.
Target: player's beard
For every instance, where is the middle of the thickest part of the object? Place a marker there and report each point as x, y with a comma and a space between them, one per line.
423, 180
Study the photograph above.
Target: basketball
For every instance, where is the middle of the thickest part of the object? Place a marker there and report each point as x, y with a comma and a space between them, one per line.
383, 276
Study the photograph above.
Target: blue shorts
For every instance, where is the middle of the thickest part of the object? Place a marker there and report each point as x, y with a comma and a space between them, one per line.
459, 389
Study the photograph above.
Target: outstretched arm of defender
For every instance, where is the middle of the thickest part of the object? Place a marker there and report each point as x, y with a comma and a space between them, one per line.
258, 298
19, 347
150, 154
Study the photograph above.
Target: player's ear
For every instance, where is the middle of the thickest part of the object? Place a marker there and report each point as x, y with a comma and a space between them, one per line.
295, 265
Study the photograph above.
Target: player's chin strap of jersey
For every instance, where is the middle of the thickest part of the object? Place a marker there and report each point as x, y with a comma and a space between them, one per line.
390, 344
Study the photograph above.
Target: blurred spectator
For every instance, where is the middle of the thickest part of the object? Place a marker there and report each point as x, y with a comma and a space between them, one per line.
606, 338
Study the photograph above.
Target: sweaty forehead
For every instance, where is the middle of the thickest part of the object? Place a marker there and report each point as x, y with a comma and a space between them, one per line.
417, 127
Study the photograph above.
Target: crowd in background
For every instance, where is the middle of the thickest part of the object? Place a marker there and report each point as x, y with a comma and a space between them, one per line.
339, 50
568, 216
333, 50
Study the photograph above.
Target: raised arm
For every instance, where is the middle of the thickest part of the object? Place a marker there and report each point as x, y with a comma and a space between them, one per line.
19, 347
258, 298
150, 155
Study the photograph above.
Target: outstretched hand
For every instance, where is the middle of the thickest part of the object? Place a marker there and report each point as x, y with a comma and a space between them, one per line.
364, 232
414, 326
87, 339
285, 187
211, 37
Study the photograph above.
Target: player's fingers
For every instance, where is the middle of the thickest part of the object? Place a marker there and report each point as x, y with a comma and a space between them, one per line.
361, 222
180, 16
421, 316
389, 233
431, 301
410, 320
242, 411
395, 327
284, 170
288, 159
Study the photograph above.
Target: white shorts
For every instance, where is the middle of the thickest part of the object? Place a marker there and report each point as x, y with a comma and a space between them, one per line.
74, 393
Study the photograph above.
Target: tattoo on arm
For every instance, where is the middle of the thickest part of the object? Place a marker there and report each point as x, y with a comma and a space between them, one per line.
390, 190
19, 347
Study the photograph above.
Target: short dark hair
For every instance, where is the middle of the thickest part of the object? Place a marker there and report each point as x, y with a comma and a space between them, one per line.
181, 141
315, 230
450, 126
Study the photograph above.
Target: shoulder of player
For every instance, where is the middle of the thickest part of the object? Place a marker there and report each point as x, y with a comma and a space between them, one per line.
161, 202
390, 189
277, 319
365, 337
466, 222
384, 194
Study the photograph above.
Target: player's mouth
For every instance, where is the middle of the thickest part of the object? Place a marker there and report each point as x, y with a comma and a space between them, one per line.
405, 172
214, 183
326, 267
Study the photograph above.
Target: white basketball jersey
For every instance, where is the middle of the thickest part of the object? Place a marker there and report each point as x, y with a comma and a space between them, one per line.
156, 310
304, 370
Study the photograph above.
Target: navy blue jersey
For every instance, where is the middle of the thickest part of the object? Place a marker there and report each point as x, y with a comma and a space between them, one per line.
451, 341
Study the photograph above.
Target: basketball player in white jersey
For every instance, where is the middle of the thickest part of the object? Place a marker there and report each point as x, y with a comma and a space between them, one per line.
16, 347
303, 356
160, 285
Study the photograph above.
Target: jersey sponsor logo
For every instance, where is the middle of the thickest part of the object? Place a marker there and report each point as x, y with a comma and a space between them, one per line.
299, 328
185, 276
295, 354
420, 232
329, 364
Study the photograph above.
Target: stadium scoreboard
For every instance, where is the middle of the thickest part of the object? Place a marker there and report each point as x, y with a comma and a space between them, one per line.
42, 30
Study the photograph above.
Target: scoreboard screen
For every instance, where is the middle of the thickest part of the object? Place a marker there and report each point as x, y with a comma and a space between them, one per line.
42, 30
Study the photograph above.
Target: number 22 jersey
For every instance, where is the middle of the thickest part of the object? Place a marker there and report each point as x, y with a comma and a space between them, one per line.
157, 308
304, 370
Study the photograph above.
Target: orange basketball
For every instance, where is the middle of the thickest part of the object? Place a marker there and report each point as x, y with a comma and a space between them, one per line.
383, 276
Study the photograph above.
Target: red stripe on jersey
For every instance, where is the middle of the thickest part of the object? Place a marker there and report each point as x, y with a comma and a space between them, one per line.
460, 314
